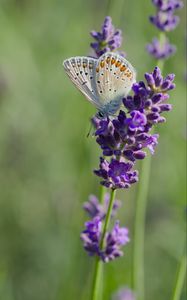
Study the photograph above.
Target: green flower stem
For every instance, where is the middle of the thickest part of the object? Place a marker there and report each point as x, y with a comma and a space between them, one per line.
108, 216
180, 279
98, 280
96, 289
139, 225
138, 247
162, 38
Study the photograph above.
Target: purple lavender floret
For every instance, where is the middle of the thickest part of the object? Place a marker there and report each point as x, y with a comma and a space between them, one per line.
118, 237
150, 98
91, 236
124, 294
168, 6
137, 121
116, 174
96, 209
114, 240
165, 21
160, 50
108, 39
123, 140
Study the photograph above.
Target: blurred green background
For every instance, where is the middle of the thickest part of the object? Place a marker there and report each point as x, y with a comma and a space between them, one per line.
46, 161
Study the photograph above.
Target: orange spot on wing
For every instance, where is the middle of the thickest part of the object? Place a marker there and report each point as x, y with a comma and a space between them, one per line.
102, 63
108, 60
113, 61
97, 69
118, 64
123, 68
128, 73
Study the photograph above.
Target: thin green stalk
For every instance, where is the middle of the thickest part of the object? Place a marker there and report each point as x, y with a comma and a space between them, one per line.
180, 279
162, 38
102, 194
138, 249
108, 216
96, 289
140, 214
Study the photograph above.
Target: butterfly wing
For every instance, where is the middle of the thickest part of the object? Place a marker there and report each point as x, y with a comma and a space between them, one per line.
114, 79
82, 72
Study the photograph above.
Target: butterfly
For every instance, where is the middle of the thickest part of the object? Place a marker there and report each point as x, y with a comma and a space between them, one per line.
104, 81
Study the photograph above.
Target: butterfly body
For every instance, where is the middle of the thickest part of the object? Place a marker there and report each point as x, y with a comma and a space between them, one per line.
104, 81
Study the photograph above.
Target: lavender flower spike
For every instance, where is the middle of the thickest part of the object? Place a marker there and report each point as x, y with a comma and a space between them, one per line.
165, 20
91, 236
119, 236
108, 39
115, 239
123, 139
116, 174
151, 98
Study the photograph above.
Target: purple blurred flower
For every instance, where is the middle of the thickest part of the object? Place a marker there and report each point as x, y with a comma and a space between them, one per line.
165, 21
108, 39
168, 5
95, 209
160, 50
124, 294
119, 236
114, 240
91, 236
116, 174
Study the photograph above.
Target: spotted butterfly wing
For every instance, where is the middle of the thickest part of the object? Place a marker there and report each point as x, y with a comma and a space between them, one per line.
82, 72
114, 79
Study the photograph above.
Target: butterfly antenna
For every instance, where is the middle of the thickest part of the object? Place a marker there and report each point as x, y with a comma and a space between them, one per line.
90, 129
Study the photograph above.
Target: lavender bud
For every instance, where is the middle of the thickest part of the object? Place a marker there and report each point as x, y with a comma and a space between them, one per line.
150, 79
139, 154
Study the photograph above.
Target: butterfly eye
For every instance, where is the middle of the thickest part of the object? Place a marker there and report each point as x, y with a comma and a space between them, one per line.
100, 114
